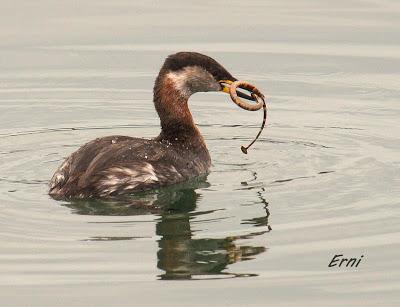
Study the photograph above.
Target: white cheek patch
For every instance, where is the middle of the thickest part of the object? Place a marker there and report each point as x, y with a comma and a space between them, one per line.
179, 81
192, 79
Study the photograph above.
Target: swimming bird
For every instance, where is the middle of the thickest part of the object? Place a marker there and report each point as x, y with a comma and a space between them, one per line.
116, 165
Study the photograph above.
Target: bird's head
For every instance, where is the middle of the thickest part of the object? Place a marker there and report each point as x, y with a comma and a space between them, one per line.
192, 72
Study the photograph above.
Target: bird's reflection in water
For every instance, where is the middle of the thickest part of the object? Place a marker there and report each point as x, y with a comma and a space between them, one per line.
180, 254
183, 257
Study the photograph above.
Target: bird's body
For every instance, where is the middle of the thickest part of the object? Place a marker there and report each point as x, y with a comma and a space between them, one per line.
117, 165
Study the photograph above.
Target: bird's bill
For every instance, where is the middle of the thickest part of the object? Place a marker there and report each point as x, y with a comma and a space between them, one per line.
225, 87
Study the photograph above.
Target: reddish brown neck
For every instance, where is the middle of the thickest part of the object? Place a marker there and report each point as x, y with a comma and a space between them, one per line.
176, 120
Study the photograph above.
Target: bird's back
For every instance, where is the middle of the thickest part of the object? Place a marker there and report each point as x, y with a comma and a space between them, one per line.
116, 165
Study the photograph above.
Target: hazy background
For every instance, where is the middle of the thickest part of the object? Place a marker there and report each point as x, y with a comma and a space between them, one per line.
323, 179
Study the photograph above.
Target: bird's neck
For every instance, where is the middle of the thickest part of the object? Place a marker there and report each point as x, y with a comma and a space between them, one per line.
177, 123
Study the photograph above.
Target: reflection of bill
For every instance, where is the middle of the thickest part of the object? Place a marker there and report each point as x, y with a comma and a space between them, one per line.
180, 255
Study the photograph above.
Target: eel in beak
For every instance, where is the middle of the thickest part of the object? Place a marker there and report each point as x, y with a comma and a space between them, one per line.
230, 87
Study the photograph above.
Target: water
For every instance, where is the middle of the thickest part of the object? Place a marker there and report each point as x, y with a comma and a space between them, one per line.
262, 228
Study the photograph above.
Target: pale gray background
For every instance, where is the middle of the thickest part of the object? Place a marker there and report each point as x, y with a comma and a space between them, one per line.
330, 70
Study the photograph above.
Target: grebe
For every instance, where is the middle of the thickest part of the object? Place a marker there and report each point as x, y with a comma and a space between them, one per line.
116, 165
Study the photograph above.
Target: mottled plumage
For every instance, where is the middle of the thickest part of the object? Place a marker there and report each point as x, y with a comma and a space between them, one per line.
116, 165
